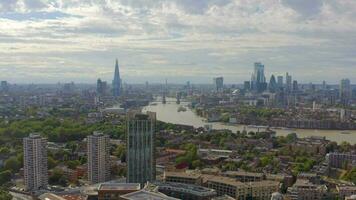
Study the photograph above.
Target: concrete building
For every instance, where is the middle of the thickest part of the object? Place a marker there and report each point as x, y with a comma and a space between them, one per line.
98, 152
35, 162
340, 160
191, 177
304, 190
345, 191
239, 190
140, 147
243, 176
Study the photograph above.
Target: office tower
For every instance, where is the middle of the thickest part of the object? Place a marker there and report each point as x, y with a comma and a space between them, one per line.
258, 79
35, 162
288, 83
280, 81
116, 83
140, 147
4, 86
324, 85
219, 84
98, 152
101, 87
345, 91
295, 86
272, 86
247, 85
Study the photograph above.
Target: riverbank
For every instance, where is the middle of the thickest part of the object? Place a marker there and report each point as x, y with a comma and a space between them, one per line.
169, 113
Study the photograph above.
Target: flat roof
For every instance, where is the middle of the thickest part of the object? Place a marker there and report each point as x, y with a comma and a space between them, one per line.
119, 186
195, 189
243, 173
193, 175
143, 194
224, 180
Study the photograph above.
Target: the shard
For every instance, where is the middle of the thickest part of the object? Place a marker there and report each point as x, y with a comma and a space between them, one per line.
116, 83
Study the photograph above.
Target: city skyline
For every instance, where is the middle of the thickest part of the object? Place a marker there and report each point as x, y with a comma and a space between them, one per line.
48, 42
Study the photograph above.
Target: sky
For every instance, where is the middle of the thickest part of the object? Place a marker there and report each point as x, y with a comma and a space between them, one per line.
50, 41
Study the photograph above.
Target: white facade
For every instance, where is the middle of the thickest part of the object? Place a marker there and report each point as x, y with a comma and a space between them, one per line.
98, 158
35, 162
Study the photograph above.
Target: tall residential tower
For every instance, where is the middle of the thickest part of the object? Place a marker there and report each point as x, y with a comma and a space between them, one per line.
141, 165
35, 162
98, 158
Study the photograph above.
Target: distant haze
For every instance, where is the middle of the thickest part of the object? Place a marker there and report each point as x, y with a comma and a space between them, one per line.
47, 41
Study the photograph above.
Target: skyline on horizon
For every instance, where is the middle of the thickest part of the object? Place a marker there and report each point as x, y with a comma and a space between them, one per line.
50, 41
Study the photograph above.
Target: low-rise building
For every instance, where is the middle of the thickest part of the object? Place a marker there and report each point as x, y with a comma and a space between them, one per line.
303, 189
345, 191
183, 177
112, 191
185, 191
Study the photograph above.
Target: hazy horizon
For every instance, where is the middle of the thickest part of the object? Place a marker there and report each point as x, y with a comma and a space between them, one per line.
50, 41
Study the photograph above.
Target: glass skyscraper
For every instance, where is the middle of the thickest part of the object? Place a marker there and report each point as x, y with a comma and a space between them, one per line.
141, 165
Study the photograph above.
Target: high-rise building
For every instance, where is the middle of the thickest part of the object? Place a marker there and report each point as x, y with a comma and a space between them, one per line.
345, 91
288, 83
4, 86
247, 85
35, 162
219, 84
295, 86
258, 79
272, 86
98, 152
116, 83
140, 140
280, 81
101, 87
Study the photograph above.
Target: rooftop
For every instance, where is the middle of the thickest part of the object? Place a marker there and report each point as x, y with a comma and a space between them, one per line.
193, 175
243, 173
119, 186
181, 187
221, 179
143, 194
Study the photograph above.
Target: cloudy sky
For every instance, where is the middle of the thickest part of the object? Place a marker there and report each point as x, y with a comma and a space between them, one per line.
46, 41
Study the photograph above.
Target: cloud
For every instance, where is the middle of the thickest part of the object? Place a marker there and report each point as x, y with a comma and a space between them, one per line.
306, 8
195, 39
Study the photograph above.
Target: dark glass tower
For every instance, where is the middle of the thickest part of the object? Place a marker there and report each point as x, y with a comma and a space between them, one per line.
116, 83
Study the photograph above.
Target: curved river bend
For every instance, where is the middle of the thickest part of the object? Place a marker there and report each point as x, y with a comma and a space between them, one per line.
169, 113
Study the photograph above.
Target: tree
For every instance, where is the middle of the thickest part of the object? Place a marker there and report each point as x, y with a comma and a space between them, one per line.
57, 178
72, 164
5, 176
12, 164
51, 163
4, 195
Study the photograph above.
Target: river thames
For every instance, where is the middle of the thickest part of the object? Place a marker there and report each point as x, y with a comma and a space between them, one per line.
169, 113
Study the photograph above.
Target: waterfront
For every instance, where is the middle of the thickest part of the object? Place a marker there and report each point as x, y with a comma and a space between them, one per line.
169, 113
